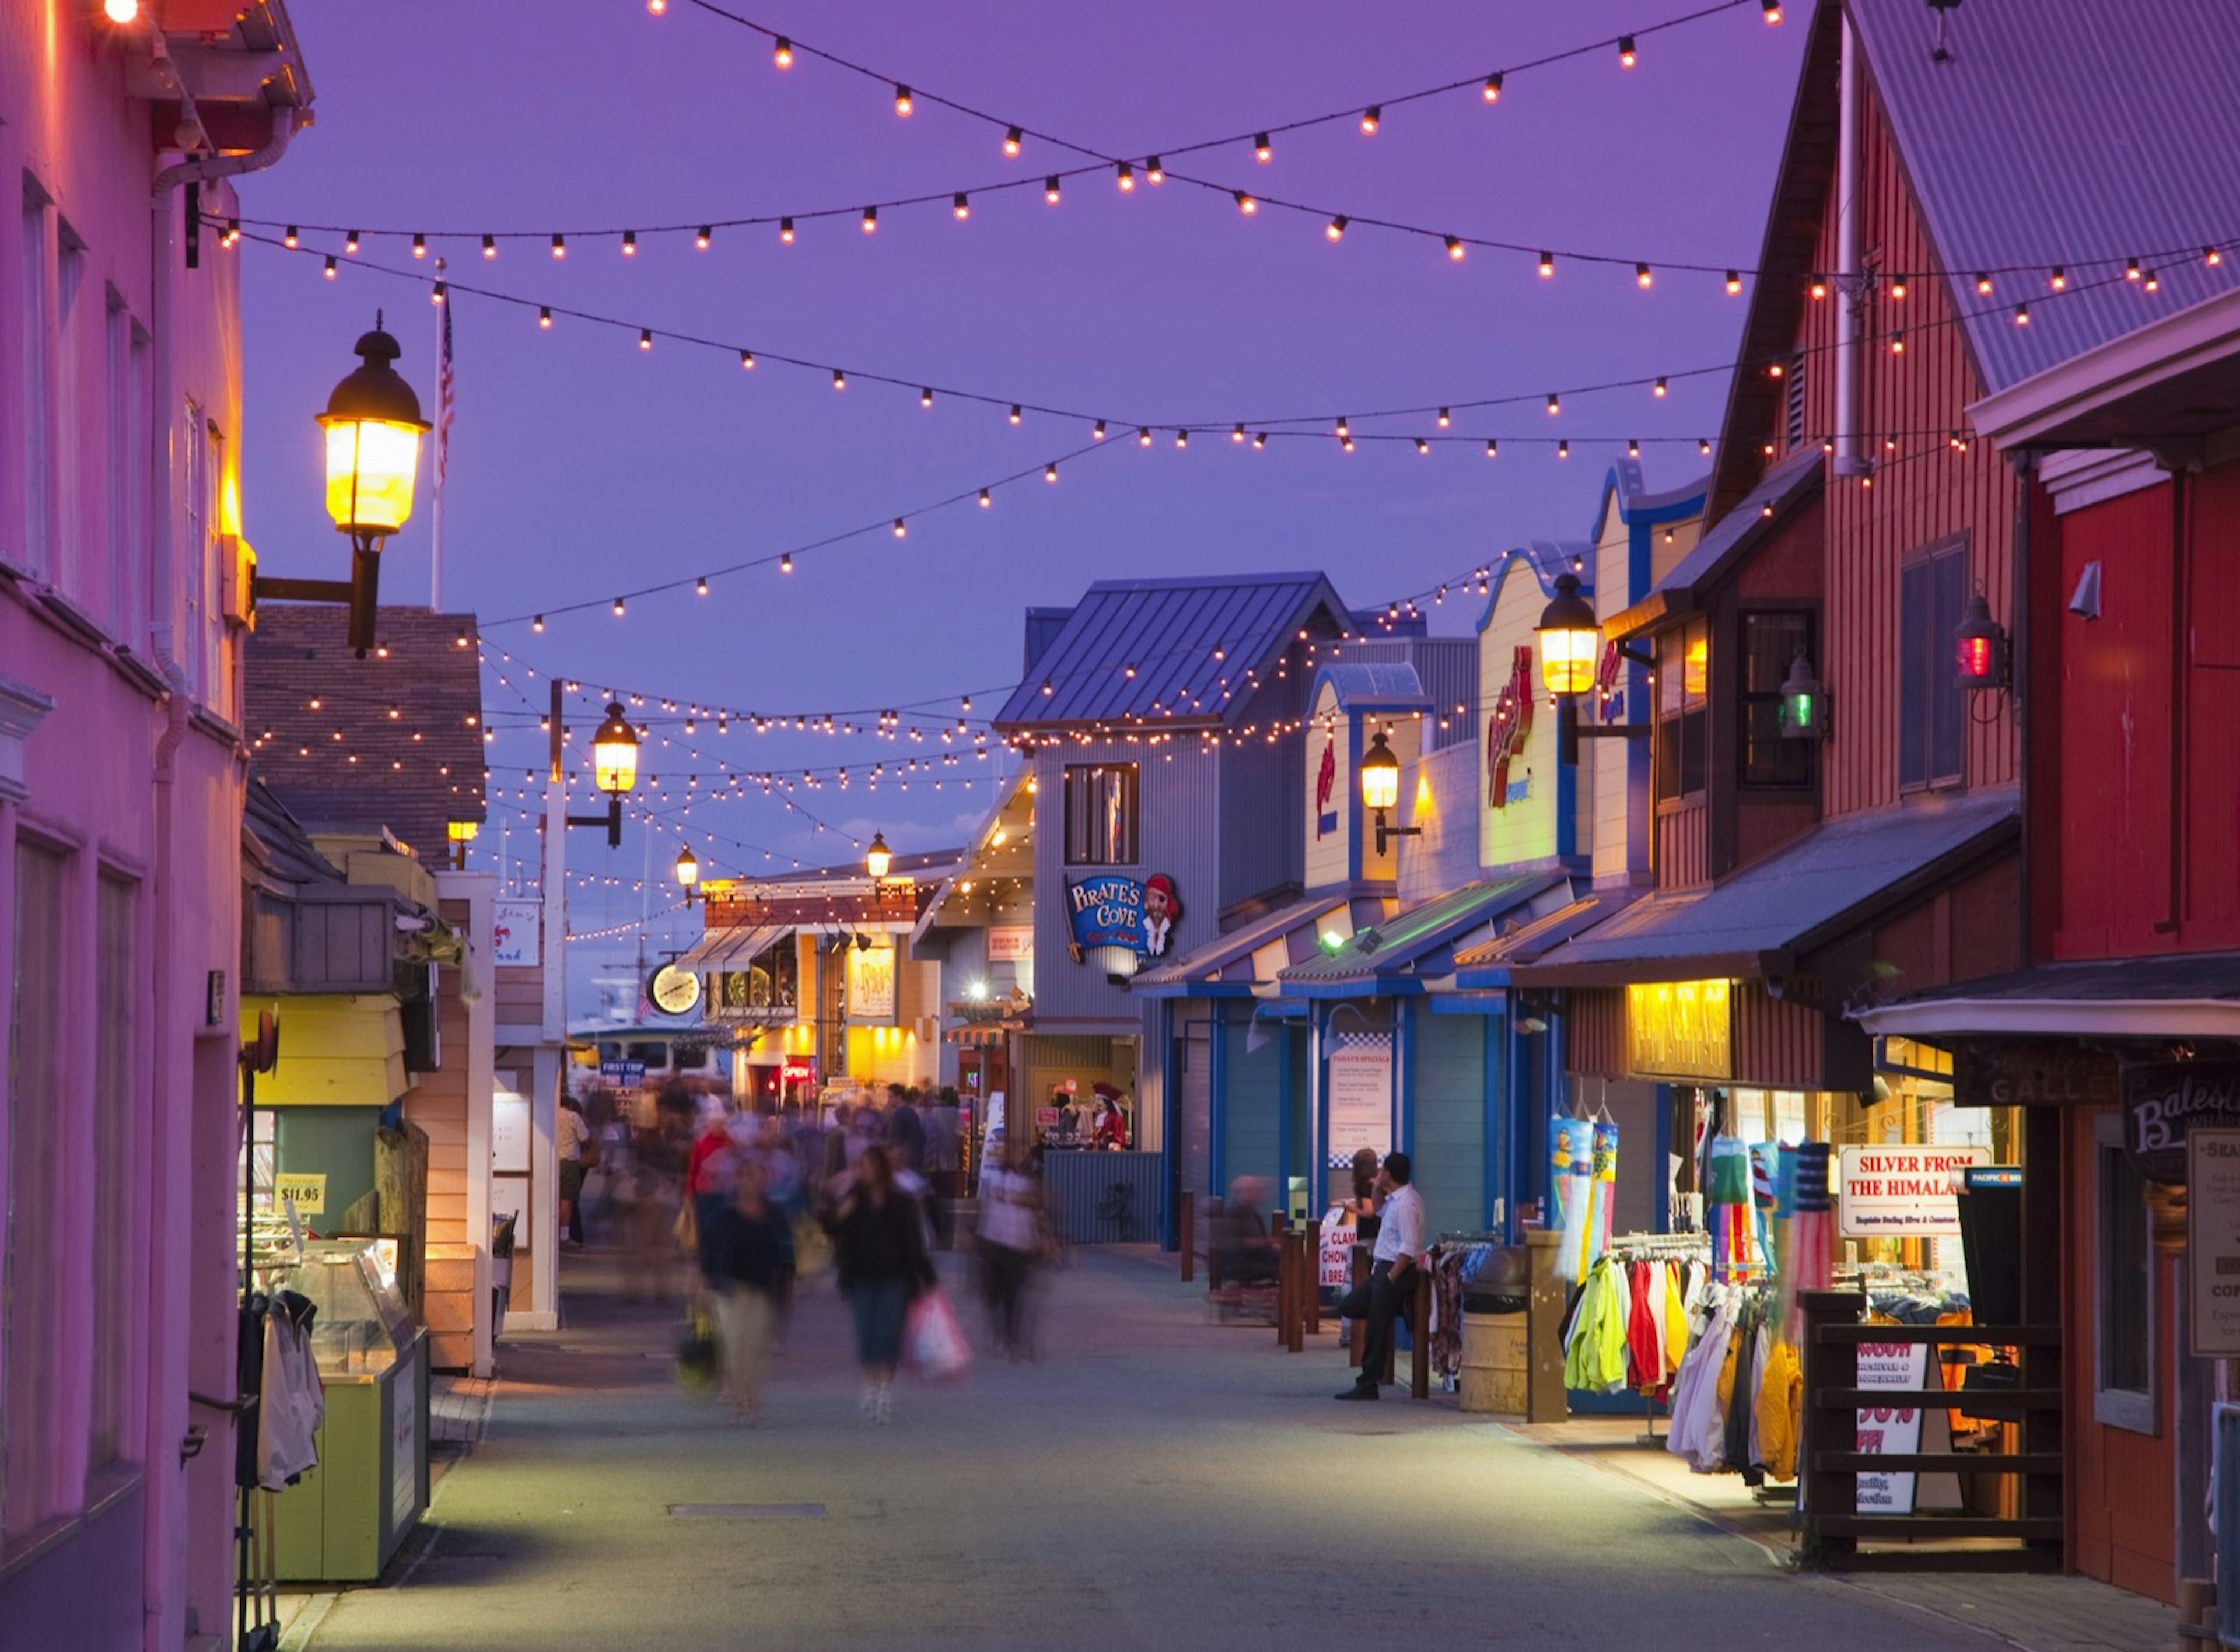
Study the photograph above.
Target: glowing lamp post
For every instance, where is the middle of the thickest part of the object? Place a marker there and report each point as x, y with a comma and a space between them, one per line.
1380, 790
373, 429
1570, 640
688, 874
462, 833
614, 766
878, 859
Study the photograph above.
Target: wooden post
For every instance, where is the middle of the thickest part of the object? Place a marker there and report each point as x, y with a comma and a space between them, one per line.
1285, 1284
1215, 1213
1186, 1225
1544, 1400
1828, 1366
1303, 1287
1419, 1334
1313, 1281
1357, 1329
2043, 1180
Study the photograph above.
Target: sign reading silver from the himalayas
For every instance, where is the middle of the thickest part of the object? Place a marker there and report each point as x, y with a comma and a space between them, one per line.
2166, 1101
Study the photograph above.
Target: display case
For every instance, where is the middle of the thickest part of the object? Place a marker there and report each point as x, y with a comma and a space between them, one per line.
342, 1521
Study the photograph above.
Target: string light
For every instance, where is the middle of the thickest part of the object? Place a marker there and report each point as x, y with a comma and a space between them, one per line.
629, 244
1492, 449
839, 380
1446, 418
1493, 87
350, 242
901, 531
1049, 472
1562, 450
1771, 9
2022, 314
1012, 139
1259, 441
1098, 433
903, 102
1660, 388
1371, 118
1423, 447
1127, 178
1641, 276
645, 338
2059, 279
559, 246
700, 585
1455, 248
961, 207
536, 625
925, 397
1155, 170
1734, 282
1015, 413
1143, 437
1335, 228
986, 500
1555, 404
1819, 289
1182, 440
870, 220
438, 293
747, 360
1262, 150
1627, 55
1547, 265
618, 608
707, 234
1898, 289
490, 246
1246, 205
329, 270
785, 564
1703, 445
1050, 188
1982, 282
785, 231
2152, 282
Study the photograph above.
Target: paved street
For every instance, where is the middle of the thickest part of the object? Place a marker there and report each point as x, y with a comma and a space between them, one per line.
1154, 1481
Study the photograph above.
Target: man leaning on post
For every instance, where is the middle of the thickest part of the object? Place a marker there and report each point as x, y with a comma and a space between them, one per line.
1391, 1272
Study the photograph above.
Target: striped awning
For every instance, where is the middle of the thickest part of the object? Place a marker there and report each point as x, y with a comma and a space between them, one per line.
975, 1035
729, 947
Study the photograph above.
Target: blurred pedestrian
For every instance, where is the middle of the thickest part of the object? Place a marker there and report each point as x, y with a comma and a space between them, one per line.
658, 1180
1397, 1254
578, 1150
878, 1243
743, 1247
1010, 1212
710, 1165
905, 1129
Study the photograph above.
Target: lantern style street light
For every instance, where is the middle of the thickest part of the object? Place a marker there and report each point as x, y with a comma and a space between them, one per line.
462, 833
1571, 641
373, 429
878, 859
1380, 790
614, 765
1803, 702
688, 874
1980, 658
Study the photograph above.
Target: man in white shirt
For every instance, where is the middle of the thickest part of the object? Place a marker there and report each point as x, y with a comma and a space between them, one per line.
1398, 1253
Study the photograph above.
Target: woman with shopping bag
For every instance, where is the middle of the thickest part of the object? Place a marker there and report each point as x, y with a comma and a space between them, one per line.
878, 1245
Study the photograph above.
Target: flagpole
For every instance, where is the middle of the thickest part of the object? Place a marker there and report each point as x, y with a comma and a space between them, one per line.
443, 422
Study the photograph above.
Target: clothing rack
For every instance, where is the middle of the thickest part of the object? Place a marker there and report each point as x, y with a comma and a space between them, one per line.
1658, 1247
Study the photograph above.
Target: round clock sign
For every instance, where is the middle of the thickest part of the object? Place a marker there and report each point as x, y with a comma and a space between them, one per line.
673, 991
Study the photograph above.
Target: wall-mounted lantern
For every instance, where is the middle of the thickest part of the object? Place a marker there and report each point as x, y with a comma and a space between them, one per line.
878, 859
1380, 790
1980, 654
1570, 640
688, 874
1804, 712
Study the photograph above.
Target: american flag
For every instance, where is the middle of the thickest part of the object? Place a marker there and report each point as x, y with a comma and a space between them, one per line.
443, 402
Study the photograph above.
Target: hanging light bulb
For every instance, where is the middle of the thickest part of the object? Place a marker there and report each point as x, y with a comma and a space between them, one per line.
288, 239
1547, 265
232, 236
1660, 388
1015, 414
2058, 279
1554, 405
700, 585
440, 291
1642, 277
747, 360
900, 530
1493, 87
544, 317
1703, 445
1181, 438
1455, 248
1564, 449
1422, 446
1050, 189
2151, 282
902, 101
645, 338
2211, 256
1898, 289
1012, 139
1627, 55
1771, 9
1127, 176
707, 234
1898, 344
629, 244
1143, 437
1246, 205
1445, 418
961, 207
1734, 282
490, 246
1262, 150
1371, 119
785, 564
1049, 471
1632, 449
925, 396
618, 608
1335, 228
1098, 432
785, 230
1819, 288
1341, 429
536, 625
986, 498
870, 219
1259, 440
2022, 314
349, 241
1155, 171
782, 52
329, 270
1982, 282
839, 380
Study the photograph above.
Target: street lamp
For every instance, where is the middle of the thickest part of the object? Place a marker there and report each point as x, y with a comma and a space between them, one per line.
462, 833
688, 874
878, 859
1380, 790
614, 766
1571, 657
373, 429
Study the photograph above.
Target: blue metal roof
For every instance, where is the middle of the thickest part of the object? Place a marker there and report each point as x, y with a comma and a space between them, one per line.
1169, 630
1224, 966
2065, 132
1419, 942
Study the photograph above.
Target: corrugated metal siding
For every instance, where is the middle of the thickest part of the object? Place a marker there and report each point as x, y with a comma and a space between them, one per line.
1264, 799
1439, 793
1922, 492
1078, 1186
1682, 847
2060, 131
1594, 1031
1777, 1044
1252, 1081
1449, 1125
1194, 1060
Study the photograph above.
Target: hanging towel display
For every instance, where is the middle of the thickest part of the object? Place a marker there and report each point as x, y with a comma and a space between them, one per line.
1576, 1158
292, 1404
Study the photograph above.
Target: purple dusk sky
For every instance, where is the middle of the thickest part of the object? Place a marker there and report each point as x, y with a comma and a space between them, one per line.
581, 465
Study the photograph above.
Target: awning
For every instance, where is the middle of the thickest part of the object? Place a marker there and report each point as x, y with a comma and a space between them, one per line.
335, 1050
2184, 996
1758, 923
978, 1035
1488, 965
1402, 955
1250, 960
729, 949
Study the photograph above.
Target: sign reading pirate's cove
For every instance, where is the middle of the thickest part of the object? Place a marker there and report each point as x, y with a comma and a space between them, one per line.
1115, 921
2164, 1101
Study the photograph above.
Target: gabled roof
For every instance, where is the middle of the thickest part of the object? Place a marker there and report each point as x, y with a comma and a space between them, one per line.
412, 773
1226, 965
2177, 996
1168, 631
1418, 944
1488, 963
1713, 556
1759, 922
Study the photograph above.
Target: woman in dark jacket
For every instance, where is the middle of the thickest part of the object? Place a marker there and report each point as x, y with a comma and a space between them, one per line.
878, 1246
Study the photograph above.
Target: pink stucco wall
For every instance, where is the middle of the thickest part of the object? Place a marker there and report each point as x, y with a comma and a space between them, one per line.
109, 610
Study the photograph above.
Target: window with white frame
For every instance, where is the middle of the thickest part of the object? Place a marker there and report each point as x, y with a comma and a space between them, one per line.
199, 643
116, 1150
124, 374
25, 543
1100, 814
32, 1264
71, 566
2124, 1356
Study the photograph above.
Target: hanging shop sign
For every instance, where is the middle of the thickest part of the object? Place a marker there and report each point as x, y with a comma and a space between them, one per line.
2032, 1074
514, 932
1508, 728
1117, 922
1360, 1096
2212, 1215
871, 984
1908, 1192
1011, 943
1679, 1030
798, 1071
2165, 1101
673, 991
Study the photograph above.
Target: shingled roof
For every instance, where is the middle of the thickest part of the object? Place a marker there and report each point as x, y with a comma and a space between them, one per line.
394, 739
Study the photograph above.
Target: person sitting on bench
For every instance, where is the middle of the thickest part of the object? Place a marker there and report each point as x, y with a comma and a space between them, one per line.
1242, 1249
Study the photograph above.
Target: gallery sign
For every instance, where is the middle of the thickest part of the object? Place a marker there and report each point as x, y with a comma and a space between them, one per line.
2032, 1074
2166, 1101
1679, 1030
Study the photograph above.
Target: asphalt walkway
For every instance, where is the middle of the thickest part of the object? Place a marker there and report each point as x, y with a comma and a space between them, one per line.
1152, 1481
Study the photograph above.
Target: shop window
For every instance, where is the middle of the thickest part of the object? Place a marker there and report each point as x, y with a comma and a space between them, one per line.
1100, 814
1930, 703
2124, 1281
1682, 678
33, 1262
1770, 643
116, 1141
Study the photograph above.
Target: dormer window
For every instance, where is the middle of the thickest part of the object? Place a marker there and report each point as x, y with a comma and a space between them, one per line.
1770, 643
1683, 658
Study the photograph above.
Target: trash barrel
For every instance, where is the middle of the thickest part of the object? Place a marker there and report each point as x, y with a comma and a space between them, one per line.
1494, 1363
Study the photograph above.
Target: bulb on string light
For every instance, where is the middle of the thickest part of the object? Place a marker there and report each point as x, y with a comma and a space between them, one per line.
925, 396
1703, 445
288, 239
1015, 414
1445, 418
1734, 282
1898, 344
1246, 205
782, 52
1564, 449
645, 338
987, 498
329, 270
870, 219
440, 291
2211, 256
1422, 446
1493, 87
1773, 371
961, 207
1127, 178
1335, 228
1771, 10
2022, 314
490, 246
1237, 435
902, 101
629, 244
785, 231
1050, 188
2151, 282
544, 317
747, 360
1982, 282
2058, 279
1627, 55
1049, 471
1371, 118
1554, 405
1819, 288
1455, 248
1660, 388
1346, 443
1181, 438
349, 241
232, 234
900, 530
1098, 432
1012, 140
700, 585
1342, 428
1143, 437
1259, 440
618, 608
707, 234
536, 625
839, 380
1547, 265
559, 246
785, 564
1632, 449
1642, 277
1262, 150
1898, 289
1155, 171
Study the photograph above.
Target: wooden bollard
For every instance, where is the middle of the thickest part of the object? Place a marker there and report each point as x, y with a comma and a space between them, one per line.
1313, 1284
1419, 1334
1284, 1286
1186, 1225
1303, 1287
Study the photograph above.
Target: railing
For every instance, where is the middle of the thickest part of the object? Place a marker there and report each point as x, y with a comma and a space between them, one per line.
1831, 1463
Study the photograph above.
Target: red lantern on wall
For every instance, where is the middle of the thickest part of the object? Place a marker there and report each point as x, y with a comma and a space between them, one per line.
1980, 647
